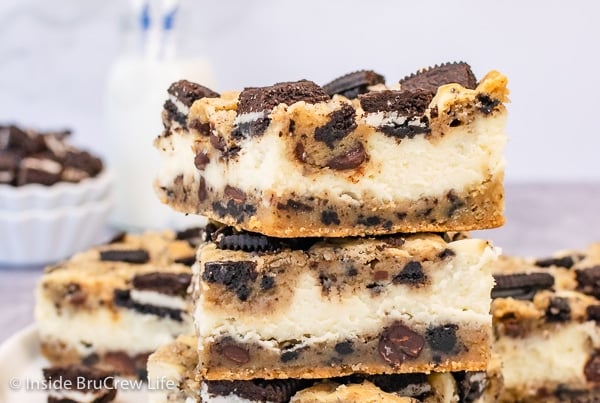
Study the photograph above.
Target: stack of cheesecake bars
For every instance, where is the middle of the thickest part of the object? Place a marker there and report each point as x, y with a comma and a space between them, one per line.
333, 269
335, 266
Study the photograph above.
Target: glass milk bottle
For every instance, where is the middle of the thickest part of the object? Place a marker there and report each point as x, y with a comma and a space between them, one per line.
136, 91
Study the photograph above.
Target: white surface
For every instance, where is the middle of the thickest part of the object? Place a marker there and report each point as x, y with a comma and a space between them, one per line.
45, 236
22, 365
54, 60
62, 194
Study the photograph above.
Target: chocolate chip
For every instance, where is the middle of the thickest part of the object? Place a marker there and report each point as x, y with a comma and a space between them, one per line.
234, 275
119, 237
288, 356
350, 160
446, 253
558, 310
137, 256
593, 312
588, 281
521, 285
344, 348
74, 294
90, 360
353, 84
249, 242
486, 104
398, 342
164, 283
592, 369
294, 205
201, 159
370, 221
266, 98
234, 193
471, 385
456, 203
380, 275
329, 217
217, 142
341, 123
299, 152
267, 282
565, 261
351, 271
432, 78
442, 338
202, 192
235, 353
412, 273
187, 92
514, 328
202, 128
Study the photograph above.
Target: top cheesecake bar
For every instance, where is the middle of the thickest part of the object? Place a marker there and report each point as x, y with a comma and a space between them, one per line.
351, 158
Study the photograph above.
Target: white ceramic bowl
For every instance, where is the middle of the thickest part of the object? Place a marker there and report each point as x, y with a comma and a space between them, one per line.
35, 237
62, 194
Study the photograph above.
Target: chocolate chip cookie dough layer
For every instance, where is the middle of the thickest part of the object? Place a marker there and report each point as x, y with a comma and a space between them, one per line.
394, 304
172, 378
294, 160
546, 331
113, 305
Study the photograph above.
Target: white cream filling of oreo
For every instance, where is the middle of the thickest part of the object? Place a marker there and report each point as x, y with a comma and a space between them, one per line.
41, 164
148, 297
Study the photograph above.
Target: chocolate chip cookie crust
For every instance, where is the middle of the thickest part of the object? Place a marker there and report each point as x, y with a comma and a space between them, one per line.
293, 160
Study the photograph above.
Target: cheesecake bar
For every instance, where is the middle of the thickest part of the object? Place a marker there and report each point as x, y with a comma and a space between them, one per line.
546, 327
172, 371
113, 305
354, 157
321, 308
79, 384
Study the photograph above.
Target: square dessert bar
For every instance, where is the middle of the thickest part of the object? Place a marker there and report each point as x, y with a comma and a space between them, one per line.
546, 315
113, 305
172, 378
322, 308
354, 157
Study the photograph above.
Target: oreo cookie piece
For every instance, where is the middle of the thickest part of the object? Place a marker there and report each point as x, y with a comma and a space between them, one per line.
341, 123
91, 384
122, 298
565, 261
353, 84
412, 385
83, 161
164, 283
471, 385
588, 281
264, 99
9, 164
137, 256
248, 242
259, 390
188, 92
431, 78
40, 170
521, 285
236, 276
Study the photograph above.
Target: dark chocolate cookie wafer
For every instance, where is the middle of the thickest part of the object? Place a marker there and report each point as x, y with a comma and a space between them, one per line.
521, 285
139, 256
276, 391
431, 78
353, 84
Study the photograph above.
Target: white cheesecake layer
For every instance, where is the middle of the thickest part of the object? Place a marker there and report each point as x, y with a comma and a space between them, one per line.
103, 330
411, 169
553, 357
458, 292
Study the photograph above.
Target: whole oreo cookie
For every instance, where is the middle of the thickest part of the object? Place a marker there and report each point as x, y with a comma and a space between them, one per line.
276, 390
353, 84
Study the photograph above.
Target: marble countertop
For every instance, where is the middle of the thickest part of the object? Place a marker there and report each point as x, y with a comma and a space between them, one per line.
541, 218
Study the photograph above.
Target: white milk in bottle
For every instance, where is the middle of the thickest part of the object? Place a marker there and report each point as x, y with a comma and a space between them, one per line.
136, 91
